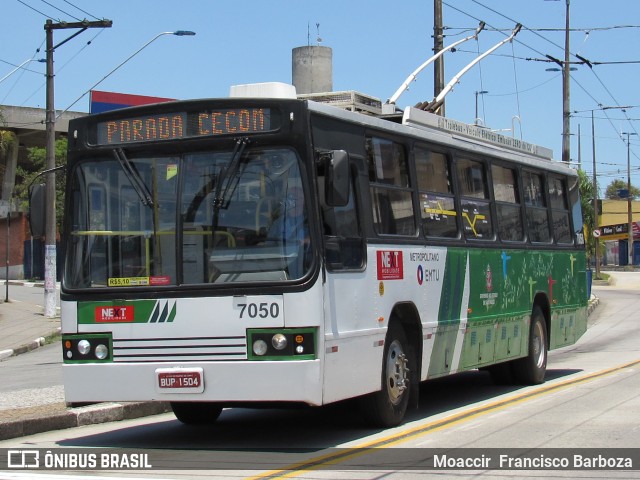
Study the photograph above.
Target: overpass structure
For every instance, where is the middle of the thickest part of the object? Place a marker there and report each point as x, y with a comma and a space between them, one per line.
18, 249
28, 125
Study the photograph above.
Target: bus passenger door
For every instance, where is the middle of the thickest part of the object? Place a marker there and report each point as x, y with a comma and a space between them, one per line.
346, 294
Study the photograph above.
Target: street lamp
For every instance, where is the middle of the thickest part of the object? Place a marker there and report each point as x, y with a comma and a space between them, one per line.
50, 194
629, 216
178, 33
481, 92
41, 60
596, 212
50, 160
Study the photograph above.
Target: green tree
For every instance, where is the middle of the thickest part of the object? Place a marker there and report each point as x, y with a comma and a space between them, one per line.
26, 173
7, 140
612, 192
586, 202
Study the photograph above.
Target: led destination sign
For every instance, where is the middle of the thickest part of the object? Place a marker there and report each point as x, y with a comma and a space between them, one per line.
179, 125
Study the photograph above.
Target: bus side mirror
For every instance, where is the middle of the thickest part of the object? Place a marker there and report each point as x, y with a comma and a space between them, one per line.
37, 210
336, 185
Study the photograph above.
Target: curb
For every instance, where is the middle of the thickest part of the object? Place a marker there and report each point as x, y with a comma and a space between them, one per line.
80, 416
593, 303
28, 347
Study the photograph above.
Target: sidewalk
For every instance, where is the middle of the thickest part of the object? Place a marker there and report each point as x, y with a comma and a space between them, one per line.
23, 328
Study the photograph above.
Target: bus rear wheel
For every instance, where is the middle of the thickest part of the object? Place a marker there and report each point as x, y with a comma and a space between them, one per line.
196, 413
531, 369
387, 407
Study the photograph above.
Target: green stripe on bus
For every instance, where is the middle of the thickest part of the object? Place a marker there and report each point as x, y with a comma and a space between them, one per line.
123, 311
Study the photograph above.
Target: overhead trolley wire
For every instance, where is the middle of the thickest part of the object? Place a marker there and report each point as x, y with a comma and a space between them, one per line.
65, 64
34, 9
582, 60
526, 28
60, 10
556, 29
23, 69
78, 8
26, 69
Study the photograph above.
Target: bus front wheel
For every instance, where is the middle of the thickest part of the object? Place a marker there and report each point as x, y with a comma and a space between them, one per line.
531, 369
196, 413
387, 407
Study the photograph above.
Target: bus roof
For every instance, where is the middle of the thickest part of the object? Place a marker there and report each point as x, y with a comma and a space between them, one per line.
448, 132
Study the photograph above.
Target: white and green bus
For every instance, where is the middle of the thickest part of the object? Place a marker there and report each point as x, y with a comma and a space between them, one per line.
430, 247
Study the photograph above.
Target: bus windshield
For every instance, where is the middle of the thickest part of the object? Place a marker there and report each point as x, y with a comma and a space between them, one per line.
218, 217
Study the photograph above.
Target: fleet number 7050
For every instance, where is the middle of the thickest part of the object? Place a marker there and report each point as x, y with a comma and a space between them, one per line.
261, 310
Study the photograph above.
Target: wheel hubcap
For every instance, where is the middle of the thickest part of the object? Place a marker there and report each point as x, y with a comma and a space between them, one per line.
538, 347
397, 372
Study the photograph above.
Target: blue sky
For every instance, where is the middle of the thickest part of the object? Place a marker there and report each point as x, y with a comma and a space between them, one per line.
376, 45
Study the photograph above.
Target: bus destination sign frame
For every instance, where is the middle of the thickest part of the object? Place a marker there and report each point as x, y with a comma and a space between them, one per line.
184, 125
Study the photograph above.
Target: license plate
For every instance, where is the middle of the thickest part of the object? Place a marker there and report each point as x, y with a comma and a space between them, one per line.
180, 380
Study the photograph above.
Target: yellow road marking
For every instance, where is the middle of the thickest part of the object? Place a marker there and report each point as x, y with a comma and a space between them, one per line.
365, 448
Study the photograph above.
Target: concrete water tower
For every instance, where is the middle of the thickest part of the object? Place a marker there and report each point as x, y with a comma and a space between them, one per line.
312, 69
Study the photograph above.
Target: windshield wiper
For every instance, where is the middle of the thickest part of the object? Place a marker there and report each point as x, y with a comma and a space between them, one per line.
134, 177
226, 179
229, 174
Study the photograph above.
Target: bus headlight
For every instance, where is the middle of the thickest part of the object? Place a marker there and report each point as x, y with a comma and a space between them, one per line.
282, 343
101, 352
84, 347
279, 341
260, 347
87, 347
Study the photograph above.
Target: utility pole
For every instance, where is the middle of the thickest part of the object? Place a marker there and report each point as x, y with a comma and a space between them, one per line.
595, 196
438, 42
566, 114
50, 192
629, 212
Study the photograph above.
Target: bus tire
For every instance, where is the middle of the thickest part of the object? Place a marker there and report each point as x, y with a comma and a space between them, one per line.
196, 413
531, 369
387, 407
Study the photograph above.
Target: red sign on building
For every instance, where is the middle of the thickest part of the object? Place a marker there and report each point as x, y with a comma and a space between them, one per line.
105, 101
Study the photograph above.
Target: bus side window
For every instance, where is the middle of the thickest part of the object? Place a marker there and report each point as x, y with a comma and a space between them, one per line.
507, 196
344, 244
437, 202
536, 207
474, 200
559, 210
391, 196
576, 211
